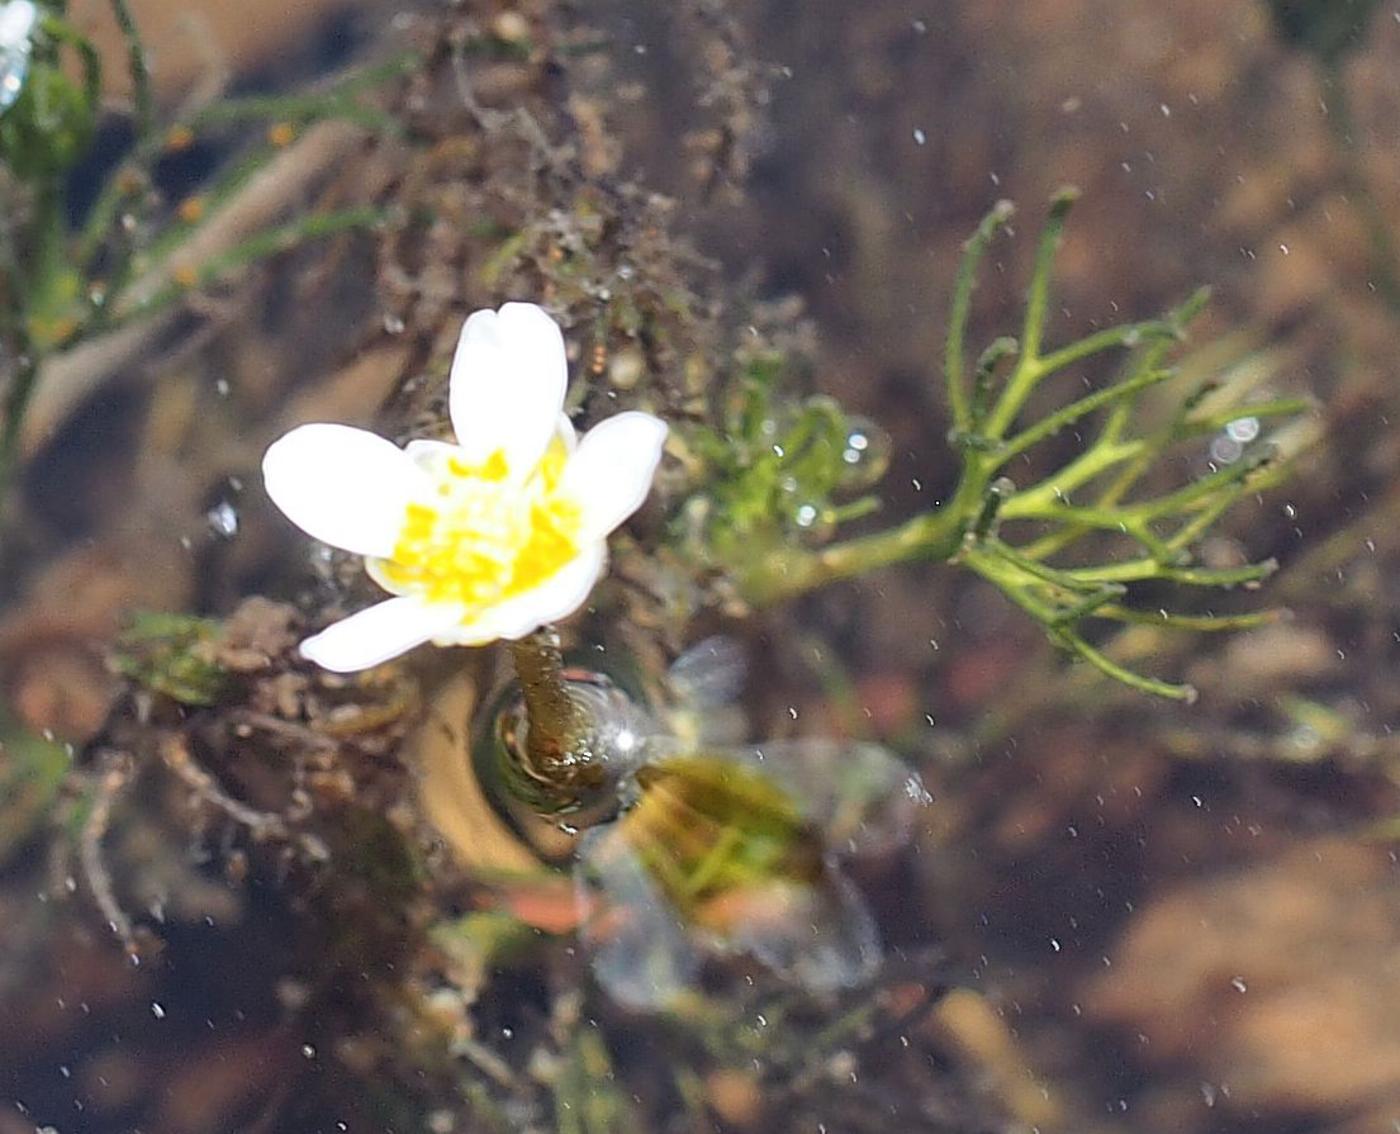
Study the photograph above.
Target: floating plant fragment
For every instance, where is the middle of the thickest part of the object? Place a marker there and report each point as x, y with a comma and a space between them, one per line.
488, 538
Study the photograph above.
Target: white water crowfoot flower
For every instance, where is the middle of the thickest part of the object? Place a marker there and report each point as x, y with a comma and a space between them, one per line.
17, 20
487, 538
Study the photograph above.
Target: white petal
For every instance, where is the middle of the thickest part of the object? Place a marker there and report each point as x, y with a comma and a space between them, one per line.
566, 433
610, 472
378, 633
557, 597
507, 388
431, 454
345, 486
426, 454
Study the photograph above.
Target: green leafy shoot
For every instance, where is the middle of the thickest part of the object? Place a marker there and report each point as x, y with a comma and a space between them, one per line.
173, 654
778, 473
1080, 516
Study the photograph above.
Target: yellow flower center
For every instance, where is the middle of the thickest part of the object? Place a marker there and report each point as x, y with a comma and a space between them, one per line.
483, 537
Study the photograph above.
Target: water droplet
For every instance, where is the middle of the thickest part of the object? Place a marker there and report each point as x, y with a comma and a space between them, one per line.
223, 520
1238, 984
1225, 450
393, 323
157, 1011
865, 455
1243, 429
920, 137
308, 1051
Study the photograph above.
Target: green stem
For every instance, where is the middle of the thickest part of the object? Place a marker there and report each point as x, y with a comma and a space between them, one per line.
1000, 349
1031, 368
1136, 570
1106, 666
935, 536
1038, 298
1128, 336
136, 65
953, 358
1202, 622
1049, 426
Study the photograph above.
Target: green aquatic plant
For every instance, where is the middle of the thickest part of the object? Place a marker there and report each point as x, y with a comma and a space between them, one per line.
173, 654
130, 255
778, 471
1040, 543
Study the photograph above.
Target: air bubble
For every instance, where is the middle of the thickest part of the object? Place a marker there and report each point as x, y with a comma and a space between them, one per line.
223, 520
865, 454
1243, 429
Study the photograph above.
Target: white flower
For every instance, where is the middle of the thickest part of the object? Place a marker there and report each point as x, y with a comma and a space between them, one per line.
17, 20
489, 538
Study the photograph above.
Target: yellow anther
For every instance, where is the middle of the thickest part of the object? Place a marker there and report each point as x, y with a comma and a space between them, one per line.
484, 538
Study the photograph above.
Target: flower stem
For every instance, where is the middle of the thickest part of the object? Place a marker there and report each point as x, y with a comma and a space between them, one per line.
557, 723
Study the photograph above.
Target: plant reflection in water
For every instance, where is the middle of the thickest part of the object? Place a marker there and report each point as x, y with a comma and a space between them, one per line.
701, 849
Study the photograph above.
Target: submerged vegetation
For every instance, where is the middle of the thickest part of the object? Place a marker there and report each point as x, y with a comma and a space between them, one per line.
495, 890
1093, 494
134, 255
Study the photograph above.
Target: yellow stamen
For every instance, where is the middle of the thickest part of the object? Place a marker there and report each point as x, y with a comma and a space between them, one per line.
482, 538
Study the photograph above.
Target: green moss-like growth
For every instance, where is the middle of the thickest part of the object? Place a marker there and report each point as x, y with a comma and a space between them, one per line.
173, 654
